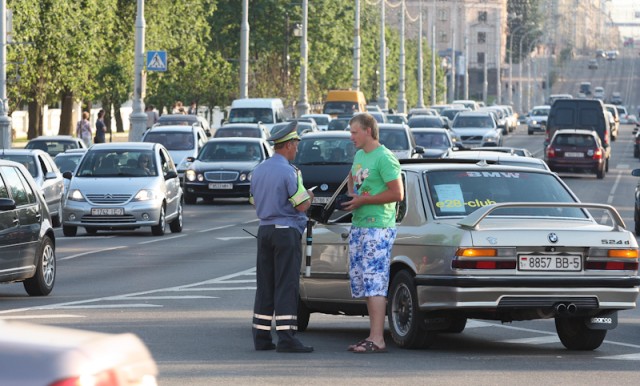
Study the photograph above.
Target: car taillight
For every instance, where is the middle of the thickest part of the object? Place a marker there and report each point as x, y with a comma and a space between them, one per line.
606, 137
597, 154
612, 259
105, 378
484, 258
551, 152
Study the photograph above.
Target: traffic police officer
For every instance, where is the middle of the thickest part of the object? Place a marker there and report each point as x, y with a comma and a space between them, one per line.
281, 200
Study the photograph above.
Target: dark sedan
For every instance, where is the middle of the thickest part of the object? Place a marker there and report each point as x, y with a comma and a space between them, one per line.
324, 158
223, 168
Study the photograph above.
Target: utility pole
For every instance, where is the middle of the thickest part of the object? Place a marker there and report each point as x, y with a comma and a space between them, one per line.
402, 100
244, 51
383, 101
356, 49
138, 117
5, 120
420, 104
303, 104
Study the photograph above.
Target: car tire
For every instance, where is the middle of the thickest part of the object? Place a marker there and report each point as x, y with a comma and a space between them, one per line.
600, 173
575, 335
42, 282
69, 230
55, 220
406, 321
457, 325
636, 152
159, 229
190, 199
91, 231
529, 132
637, 228
606, 165
304, 314
176, 224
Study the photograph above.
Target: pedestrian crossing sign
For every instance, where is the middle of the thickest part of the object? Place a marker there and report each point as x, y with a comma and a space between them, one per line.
156, 60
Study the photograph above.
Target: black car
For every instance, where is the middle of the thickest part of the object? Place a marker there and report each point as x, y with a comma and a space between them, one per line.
339, 124
324, 158
433, 121
636, 208
27, 242
223, 168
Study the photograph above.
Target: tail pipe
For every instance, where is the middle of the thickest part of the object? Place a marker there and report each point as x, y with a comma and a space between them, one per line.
566, 309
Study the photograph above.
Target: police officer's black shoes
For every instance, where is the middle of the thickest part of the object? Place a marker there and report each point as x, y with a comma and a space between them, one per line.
295, 347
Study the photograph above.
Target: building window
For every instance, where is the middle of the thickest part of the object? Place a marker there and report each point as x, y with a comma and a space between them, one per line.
482, 37
482, 16
480, 57
444, 38
442, 15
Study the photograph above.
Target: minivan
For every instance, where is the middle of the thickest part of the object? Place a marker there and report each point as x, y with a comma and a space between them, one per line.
344, 102
267, 111
580, 113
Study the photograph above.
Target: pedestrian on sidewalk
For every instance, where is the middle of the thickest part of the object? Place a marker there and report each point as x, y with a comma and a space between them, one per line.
83, 129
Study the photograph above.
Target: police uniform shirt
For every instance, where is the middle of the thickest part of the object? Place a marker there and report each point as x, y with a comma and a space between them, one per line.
272, 199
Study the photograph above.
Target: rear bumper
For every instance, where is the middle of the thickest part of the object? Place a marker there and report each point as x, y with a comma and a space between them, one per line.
490, 293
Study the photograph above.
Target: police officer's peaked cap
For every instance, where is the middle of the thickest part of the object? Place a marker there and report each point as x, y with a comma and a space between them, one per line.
285, 133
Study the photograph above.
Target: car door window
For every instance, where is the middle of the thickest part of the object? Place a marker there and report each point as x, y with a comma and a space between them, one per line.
165, 161
20, 190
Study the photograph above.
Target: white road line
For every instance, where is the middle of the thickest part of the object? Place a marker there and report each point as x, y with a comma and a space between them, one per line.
234, 238
612, 193
217, 289
96, 306
48, 316
537, 340
216, 228
626, 357
167, 297
162, 239
90, 252
84, 238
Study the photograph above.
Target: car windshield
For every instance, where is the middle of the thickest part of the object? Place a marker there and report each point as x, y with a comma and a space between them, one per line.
461, 192
27, 160
320, 120
238, 132
463, 122
338, 124
394, 139
52, 147
325, 151
177, 120
118, 163
251, 115
230, 152
423, 121
432, 140
172, 140
339, 108
540, 112
67, 163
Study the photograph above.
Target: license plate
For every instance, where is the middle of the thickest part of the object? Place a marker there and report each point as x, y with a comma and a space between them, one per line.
321, 200
550, 263
214, 185
573, 154
107, 211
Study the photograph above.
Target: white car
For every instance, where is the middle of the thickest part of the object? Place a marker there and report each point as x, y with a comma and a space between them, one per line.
598, 93
477, 128
181, 141
34, 354
322, 120
537, 118
482, 241
45, 173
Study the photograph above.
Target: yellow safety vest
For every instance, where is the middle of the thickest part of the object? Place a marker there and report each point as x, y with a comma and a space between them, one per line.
301, 195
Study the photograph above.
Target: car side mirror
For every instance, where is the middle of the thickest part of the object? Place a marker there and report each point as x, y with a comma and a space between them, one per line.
419, 150
170, 174
67, 175
7, 204
191, 159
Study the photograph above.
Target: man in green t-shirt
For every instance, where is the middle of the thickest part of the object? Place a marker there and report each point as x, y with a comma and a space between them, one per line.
374, 187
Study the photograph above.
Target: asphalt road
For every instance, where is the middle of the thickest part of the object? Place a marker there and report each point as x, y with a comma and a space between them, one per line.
189, 297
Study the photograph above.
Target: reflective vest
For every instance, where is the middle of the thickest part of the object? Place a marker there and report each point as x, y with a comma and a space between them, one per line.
301, 195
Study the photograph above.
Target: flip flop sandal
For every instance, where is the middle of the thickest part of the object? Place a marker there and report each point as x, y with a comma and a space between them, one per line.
370, 348
353, 346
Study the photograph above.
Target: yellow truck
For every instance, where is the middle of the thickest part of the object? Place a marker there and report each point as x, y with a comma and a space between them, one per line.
344, 102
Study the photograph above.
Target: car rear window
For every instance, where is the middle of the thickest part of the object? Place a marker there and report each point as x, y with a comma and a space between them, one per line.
325, 150
461, 192
245, 132
172, 140
574, 140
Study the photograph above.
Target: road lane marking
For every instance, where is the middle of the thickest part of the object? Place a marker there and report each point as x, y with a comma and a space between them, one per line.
96, 306
218, 289
625, 357
234, 238
216, 228
537, 340
90, 252
48, 316
162, 239
170, 297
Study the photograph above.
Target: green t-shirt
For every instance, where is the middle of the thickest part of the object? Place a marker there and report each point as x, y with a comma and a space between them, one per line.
371, 172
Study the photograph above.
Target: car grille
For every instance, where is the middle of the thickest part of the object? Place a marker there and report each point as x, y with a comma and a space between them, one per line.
108, 198
126, 219
471, 138
220, 176
546, 302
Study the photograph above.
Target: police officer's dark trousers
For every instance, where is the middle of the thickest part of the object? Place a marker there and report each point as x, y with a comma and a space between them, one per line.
277, 277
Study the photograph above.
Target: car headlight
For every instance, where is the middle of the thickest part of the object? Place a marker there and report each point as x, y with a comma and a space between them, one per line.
245, 176
146, 195
190, 175
491, 137
75, 195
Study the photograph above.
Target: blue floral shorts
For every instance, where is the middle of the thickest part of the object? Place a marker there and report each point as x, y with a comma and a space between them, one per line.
369, 260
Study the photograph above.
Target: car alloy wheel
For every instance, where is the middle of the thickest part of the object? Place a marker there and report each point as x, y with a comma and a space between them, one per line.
176, 224
42, 282
158, 230
406, 322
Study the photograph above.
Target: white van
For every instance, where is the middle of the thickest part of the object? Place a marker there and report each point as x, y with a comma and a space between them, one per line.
267, 111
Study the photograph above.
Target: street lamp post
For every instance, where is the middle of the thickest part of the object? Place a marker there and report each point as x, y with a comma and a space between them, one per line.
383, 101
520, 69
356, 49
138, 117
5, 120
303, 104
244, 51
420, 64
511, 62
402, 100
